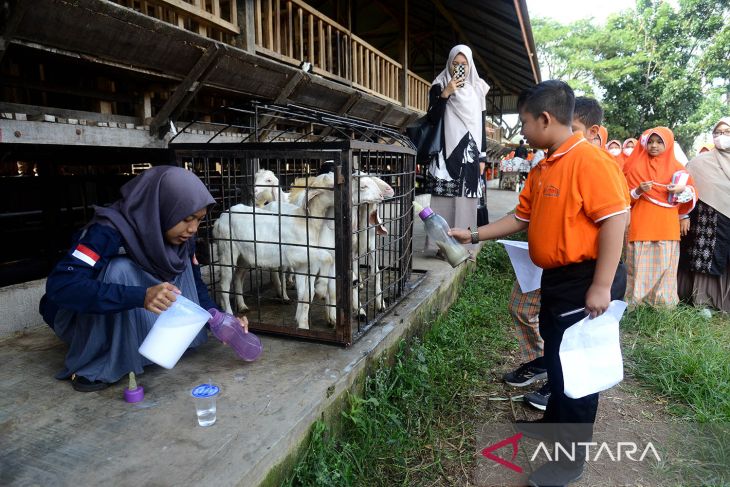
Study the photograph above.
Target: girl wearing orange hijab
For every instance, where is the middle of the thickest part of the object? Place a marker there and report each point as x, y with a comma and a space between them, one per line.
662, 193
614, 148
627, 148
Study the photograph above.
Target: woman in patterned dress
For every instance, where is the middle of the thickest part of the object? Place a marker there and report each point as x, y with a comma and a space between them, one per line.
458, 98
704, 264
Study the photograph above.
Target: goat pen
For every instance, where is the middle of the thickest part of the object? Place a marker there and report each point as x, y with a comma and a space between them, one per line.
320, 200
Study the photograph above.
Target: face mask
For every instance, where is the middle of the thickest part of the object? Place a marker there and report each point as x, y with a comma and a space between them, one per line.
722, 142
628, 151
614, 152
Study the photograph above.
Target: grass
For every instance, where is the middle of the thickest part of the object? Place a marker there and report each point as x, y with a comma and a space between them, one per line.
414, 423
684, 356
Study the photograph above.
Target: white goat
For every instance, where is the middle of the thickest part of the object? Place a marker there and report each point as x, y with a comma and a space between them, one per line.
235, 231
369, 225
266, 188
368, 192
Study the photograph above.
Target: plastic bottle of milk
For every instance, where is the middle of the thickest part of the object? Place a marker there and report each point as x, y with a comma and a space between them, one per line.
227, 329
438, 231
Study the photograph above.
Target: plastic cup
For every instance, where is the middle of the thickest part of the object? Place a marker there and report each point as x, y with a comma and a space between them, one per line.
204, 396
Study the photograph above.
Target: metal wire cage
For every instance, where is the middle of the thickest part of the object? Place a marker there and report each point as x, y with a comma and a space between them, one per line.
311, 233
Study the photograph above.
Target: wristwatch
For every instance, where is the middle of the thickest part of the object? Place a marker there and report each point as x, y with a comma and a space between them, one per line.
475, 236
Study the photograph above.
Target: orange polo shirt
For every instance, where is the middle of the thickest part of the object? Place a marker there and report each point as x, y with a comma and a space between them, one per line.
653, 223
565, 198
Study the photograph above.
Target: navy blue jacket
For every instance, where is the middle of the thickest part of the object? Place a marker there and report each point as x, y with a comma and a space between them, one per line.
72, 283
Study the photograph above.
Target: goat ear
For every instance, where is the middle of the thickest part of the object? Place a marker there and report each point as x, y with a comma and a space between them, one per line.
384, 187
311, 194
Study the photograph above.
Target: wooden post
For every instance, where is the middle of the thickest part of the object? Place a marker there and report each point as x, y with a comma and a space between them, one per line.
300, 33
269, 24
144, 108
245, 19
290, 37
277, 26
330, 58
403, 48
322, 47
310, 55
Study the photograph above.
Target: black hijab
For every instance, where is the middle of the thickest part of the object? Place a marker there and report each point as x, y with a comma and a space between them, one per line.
152, 203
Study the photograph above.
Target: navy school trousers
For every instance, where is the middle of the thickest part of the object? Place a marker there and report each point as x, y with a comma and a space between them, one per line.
564, 289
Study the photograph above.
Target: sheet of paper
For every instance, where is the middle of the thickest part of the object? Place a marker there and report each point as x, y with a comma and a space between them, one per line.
528, 274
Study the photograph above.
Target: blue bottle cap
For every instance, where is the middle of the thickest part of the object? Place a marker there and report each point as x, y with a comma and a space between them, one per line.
205, 390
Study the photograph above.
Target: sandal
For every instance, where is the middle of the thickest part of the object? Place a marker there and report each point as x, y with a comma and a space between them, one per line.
82, 384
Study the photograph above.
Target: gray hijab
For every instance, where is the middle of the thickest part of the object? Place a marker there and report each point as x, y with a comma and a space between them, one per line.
152, 203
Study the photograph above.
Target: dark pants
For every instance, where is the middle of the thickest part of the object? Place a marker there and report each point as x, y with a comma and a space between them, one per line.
564, 289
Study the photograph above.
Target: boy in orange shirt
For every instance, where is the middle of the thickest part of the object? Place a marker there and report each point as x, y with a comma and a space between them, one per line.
574, 210
587, 118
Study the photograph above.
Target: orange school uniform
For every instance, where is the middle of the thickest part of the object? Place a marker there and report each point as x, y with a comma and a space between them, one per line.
653, 218
565, 198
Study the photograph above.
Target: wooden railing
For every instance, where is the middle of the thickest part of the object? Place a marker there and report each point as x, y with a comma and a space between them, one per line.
373, 71
216, 19
296, 33
418, 89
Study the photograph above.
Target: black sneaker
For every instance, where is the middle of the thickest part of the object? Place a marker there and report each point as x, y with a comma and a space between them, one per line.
82, 384
524, 375
539, 398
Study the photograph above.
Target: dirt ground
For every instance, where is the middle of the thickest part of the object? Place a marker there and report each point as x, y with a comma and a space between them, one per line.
626, 413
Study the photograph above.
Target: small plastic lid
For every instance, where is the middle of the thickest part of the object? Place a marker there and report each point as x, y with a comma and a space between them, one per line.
205, 390
134, 395
425, 213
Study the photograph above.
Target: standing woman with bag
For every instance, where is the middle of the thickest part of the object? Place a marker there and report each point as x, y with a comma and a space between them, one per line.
458, 100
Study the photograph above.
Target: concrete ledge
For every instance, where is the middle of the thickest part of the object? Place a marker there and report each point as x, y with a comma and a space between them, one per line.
19, 306
51, 434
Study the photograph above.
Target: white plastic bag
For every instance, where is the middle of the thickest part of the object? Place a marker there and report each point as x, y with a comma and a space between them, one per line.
590, 353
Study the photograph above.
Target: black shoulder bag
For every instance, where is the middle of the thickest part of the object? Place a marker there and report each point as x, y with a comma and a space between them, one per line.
427, 137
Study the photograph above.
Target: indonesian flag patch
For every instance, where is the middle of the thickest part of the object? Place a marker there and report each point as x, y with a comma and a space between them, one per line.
85, 254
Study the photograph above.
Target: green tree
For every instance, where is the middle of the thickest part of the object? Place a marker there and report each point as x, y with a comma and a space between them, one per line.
651, 66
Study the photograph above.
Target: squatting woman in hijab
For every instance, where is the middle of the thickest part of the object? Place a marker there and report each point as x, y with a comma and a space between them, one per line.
126, 267
704, 265
458, 98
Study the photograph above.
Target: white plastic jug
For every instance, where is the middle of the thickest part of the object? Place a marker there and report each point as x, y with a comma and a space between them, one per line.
173, 332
